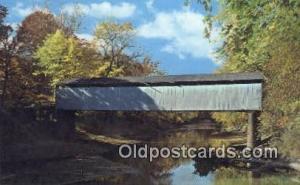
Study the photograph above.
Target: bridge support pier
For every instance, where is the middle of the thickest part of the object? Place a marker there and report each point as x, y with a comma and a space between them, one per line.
66, 121
252, 129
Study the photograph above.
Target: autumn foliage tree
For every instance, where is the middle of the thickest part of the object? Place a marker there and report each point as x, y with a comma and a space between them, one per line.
31, 33
34, 29
63, 57
44, 51
9, 62
112, 40
262, 35
115, 44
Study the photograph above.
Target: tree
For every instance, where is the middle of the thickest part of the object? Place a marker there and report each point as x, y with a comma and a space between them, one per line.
72, 20
262, 35
113, 41
140, 68
7, 52
34, 29
115, 44
12, 68
30, 35
39, 24
62, 57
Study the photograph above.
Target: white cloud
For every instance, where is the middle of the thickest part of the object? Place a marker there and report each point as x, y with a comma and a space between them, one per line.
14, 25
21, 10
84, 36
149, 5
183, 31
103, 9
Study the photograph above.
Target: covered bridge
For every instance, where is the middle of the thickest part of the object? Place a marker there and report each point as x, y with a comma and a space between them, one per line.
205, 92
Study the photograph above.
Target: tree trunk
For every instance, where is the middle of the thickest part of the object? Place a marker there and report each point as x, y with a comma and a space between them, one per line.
252, 130
4, 87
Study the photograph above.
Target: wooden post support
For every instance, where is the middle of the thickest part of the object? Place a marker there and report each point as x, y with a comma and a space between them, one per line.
66, 119
252, 130
254, 178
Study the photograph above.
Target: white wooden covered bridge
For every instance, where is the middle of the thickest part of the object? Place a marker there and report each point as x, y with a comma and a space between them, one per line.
213, 92
205, 92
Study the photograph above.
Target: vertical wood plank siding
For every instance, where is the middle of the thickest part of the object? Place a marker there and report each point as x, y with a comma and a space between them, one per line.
215, 97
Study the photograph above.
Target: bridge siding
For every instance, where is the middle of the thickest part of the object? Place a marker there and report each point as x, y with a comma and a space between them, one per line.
217, 97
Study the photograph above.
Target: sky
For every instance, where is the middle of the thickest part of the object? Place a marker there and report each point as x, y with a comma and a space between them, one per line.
167, 30
184, 174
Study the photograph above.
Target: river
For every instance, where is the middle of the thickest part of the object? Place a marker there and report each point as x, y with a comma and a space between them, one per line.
184, 171
94, 165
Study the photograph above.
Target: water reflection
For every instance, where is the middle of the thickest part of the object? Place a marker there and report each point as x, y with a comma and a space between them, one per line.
110, 169
195, 171
186, 174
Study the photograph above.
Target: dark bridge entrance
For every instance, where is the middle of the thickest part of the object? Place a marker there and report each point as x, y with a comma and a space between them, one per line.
209, 92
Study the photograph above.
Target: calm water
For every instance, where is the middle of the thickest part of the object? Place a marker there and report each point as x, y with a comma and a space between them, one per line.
90, 170
194, 172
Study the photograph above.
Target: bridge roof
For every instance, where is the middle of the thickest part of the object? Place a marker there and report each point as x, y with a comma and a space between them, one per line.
169, 80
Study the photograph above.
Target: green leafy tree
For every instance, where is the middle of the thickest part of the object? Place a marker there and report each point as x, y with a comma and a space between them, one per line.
63, 57
31, 33
262, 35
114, 43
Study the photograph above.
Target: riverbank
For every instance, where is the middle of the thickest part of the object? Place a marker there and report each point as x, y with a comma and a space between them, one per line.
40, 156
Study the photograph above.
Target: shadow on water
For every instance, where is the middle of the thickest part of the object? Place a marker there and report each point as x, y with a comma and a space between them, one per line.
168, 171
109, 169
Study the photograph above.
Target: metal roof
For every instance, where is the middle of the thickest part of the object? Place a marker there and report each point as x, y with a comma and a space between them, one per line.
229, 78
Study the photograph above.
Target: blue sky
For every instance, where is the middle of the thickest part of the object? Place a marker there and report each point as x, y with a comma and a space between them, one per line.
167, 30
184, 174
